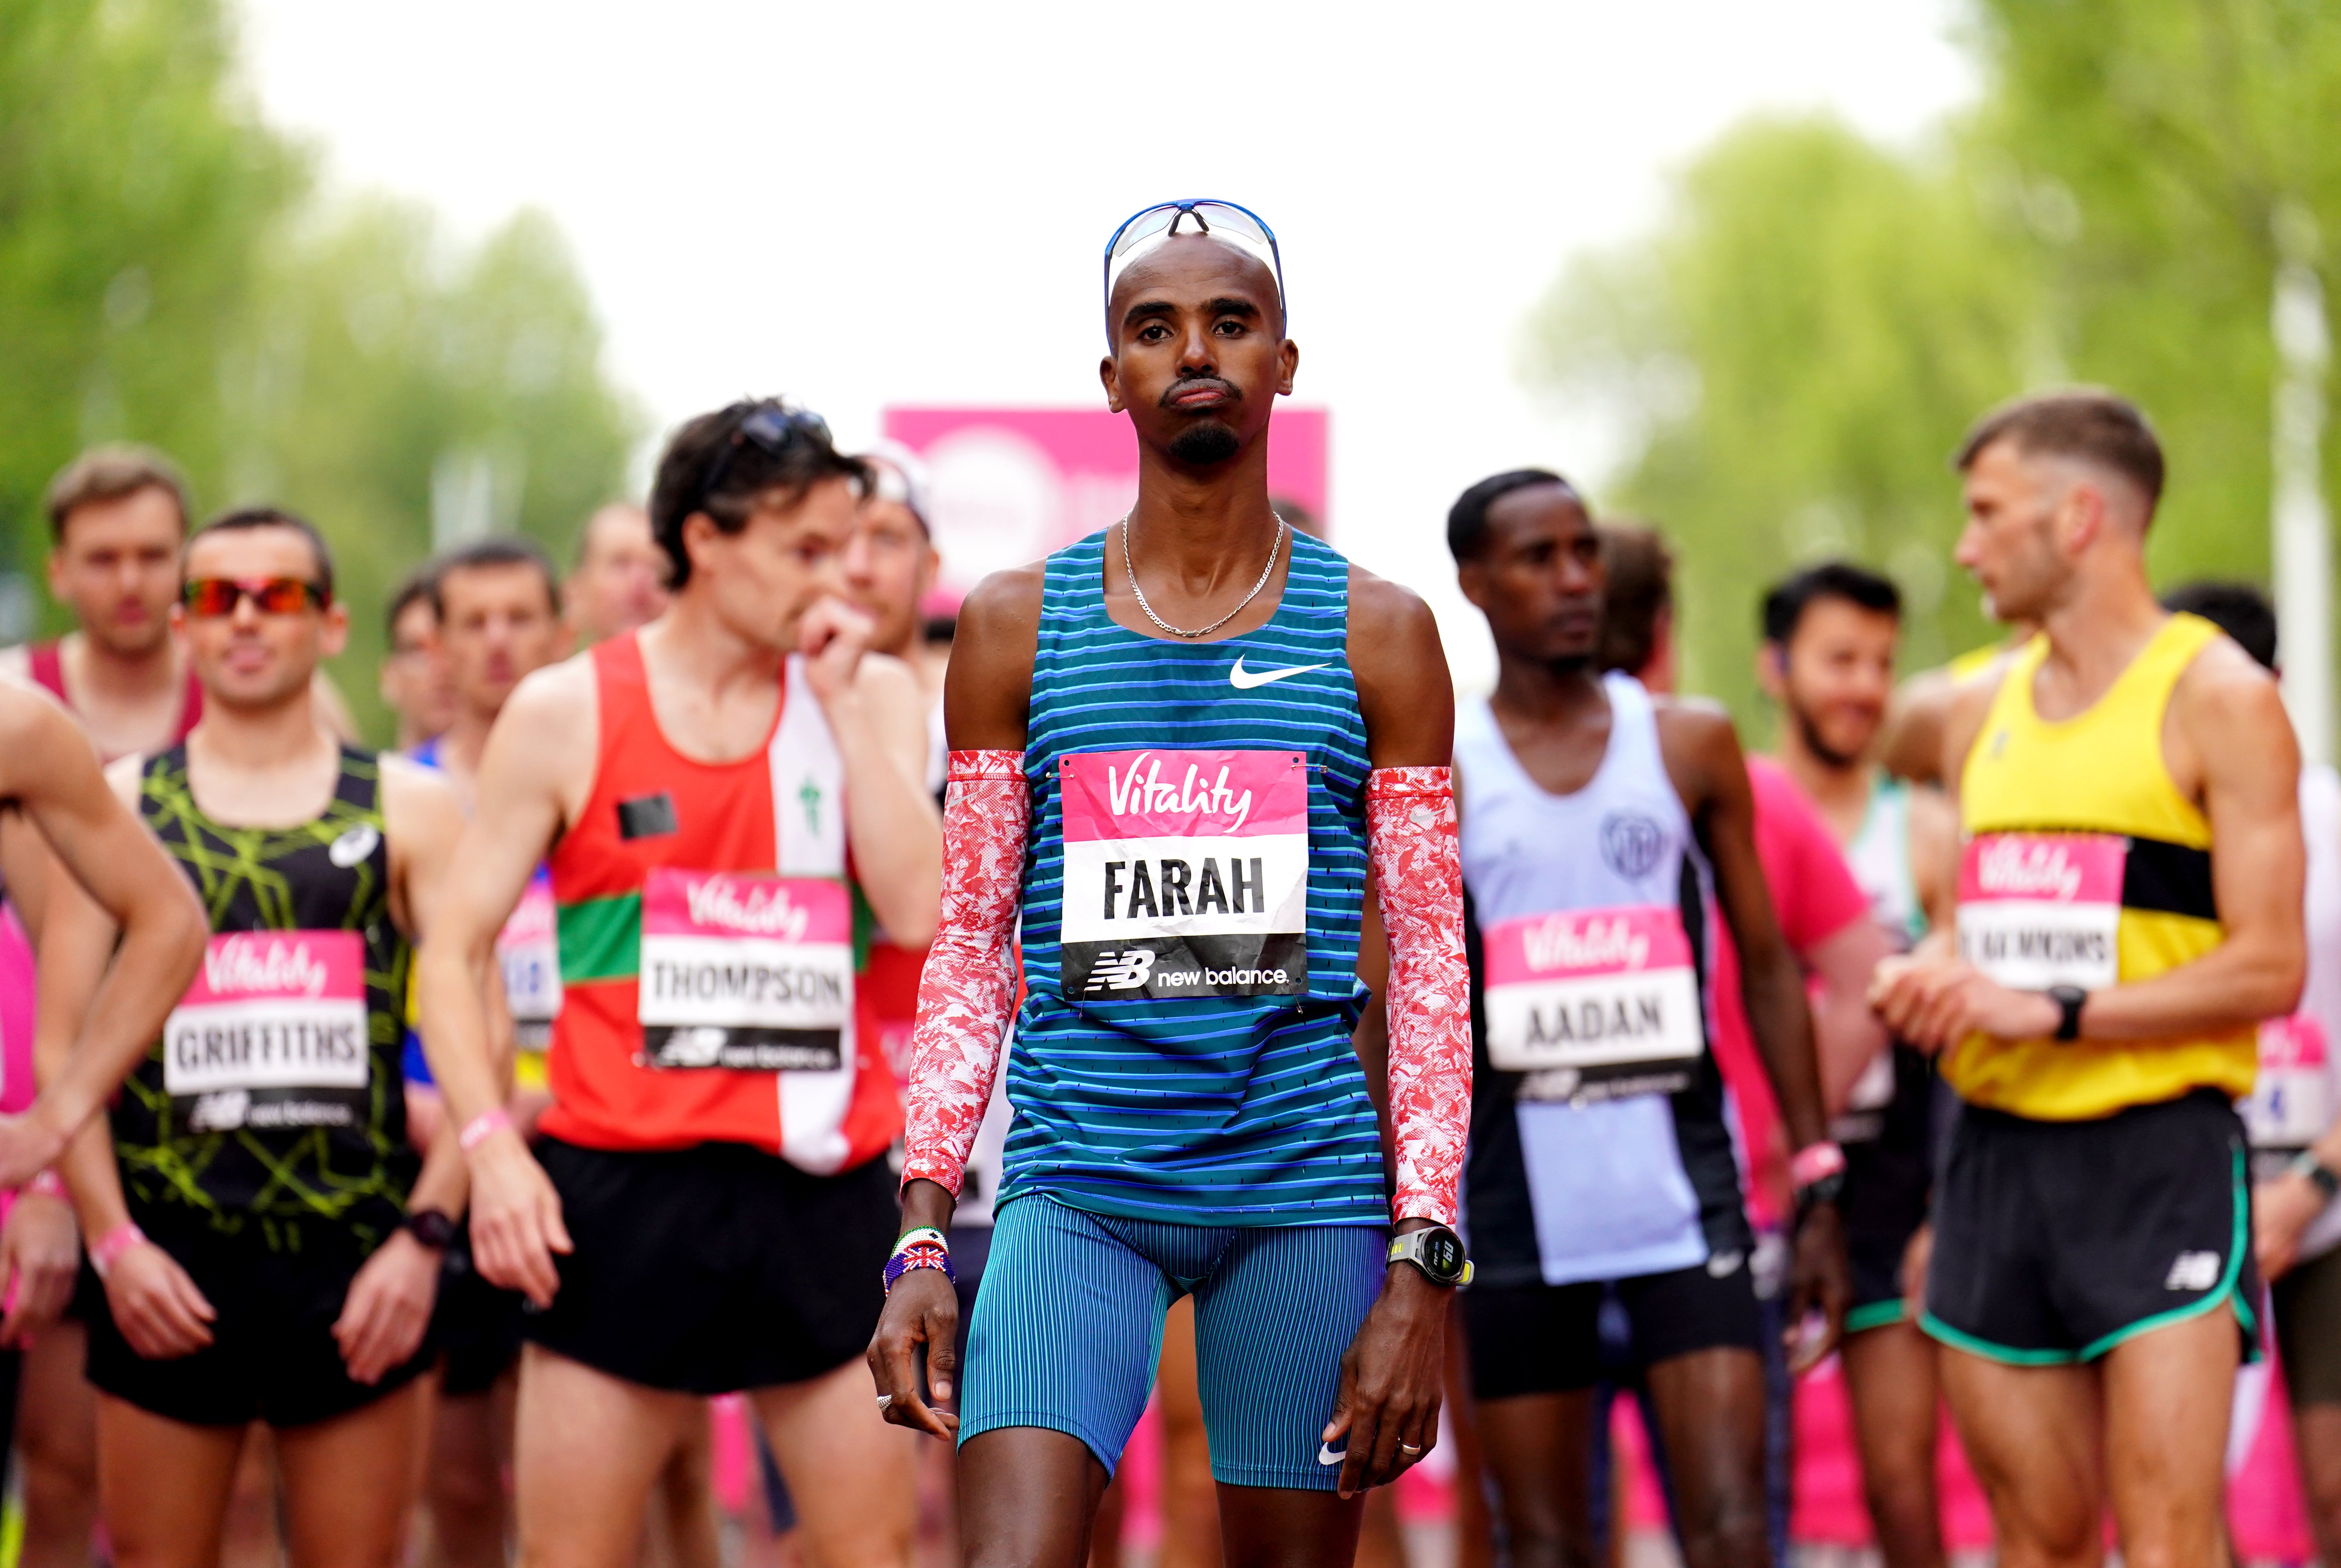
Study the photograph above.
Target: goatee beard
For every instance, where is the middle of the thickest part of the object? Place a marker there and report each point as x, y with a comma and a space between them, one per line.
1205, 445
1829, 755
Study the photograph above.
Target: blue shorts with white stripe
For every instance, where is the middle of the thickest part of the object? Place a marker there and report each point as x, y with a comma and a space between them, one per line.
1069, 1327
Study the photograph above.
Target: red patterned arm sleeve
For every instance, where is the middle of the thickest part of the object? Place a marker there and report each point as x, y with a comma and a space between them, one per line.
969, 984
1410, 836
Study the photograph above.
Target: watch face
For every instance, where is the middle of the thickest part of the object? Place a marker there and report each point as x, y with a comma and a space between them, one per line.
433, 1229
1443, 1252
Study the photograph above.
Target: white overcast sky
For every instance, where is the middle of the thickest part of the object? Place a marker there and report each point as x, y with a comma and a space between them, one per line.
870, 203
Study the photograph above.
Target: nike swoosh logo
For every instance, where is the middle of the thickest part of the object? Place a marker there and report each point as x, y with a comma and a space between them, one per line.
1244, 680
1325, 1455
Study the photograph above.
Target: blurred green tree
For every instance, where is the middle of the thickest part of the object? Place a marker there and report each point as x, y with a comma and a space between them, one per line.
135, 188
170, 272
1800, 343
1797, 349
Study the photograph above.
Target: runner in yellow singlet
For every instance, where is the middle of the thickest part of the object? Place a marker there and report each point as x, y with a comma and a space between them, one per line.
2128, 908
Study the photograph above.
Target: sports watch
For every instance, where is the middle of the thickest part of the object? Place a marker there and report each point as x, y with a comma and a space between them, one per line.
2069, 1000
432, 1227
1436, 1251
2318, 1173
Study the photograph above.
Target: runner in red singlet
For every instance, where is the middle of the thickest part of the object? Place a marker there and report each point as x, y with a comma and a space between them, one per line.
727, 799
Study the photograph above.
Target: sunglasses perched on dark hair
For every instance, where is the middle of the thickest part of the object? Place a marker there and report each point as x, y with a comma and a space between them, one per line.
1247, 228
213, 596
774, 428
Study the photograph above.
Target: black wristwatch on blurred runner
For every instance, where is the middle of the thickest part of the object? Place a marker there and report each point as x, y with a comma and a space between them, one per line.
433, 1228
1436, 1251
2319, 1175
2070, 1001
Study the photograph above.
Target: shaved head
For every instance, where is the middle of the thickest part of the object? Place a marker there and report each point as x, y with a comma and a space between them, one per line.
1184, 260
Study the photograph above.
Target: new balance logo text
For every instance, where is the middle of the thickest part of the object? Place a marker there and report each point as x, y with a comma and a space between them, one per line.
1123, 971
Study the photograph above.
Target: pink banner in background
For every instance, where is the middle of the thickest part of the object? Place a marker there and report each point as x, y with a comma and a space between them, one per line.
1011, 484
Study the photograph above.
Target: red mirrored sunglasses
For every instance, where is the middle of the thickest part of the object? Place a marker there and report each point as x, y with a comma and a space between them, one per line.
270, 595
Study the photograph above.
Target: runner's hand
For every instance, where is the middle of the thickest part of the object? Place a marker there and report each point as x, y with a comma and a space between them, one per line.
515, 1220
1916, 1258
921, 1310
832, 636
1934, 1002
156, 1305
40, 1253
388, 1308
1818, 1282
29, 1146
2281, 1212
1392, 1376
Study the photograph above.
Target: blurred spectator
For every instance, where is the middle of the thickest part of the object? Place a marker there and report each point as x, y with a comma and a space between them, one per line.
415, 681
619, 580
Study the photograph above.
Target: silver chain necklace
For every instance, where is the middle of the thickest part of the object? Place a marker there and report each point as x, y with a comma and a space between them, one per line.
1282, 528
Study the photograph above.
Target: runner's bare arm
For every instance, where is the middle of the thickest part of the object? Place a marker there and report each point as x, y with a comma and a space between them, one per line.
2232, 748
387, 1308
897, 834
40, 1242
111, 858
1935, 855
422, 822
155, 1304
1908, 988
1404, 692
1847, 1035
1912, 746
1703, 756
537, 767
988, 690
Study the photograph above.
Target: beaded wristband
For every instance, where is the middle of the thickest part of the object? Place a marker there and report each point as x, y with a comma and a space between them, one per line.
921, 1234
919, 1255
107, 1249
482, 1127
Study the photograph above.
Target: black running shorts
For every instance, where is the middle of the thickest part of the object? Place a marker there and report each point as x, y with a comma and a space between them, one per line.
2309, 1330
2056, 1240
716, 1268
273, 1356
476, 1325
1888, 1182
1546, 1339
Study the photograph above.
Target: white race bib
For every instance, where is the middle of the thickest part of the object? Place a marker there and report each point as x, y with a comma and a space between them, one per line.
1593, 1004
2038, 910
2291, 1104
1186, 874
745, 969
528, 950
271, 1034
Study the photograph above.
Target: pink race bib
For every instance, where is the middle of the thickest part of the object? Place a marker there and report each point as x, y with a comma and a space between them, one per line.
745, 969
2038, 910
2291, 1104
273, 1033
528, 948
1596, 1004
1186, 873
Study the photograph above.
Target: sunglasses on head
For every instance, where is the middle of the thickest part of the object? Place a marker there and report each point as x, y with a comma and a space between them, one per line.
773, 428
209, 596
1246, 228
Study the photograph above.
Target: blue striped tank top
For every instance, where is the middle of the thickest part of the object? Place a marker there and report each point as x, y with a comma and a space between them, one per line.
1191, 905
